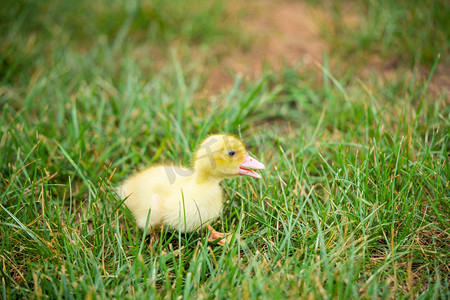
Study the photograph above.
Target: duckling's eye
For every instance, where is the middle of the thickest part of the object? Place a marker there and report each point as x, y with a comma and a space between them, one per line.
231, 153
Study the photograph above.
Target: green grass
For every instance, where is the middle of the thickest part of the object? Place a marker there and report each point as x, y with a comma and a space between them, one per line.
409, 32
354, 201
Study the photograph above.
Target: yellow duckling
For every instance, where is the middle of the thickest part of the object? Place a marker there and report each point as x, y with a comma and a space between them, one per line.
188, 199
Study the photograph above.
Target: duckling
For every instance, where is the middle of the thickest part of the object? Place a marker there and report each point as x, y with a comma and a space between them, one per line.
188, 199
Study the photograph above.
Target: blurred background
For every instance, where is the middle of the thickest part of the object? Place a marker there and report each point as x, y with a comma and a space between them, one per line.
217, 39
345, 102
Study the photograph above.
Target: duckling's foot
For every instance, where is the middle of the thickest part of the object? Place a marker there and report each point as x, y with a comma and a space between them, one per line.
215, 235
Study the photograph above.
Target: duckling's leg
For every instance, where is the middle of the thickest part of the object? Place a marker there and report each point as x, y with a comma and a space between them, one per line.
155, 236
215, 235
154, 239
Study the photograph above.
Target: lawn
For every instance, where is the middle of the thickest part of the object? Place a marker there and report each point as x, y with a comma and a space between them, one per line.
354, 200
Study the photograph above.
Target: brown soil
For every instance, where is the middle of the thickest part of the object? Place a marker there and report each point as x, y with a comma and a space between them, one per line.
440, 81
282, 33
287, 33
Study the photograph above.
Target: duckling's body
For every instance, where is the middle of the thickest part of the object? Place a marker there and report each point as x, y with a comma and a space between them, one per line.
172, 195
187, 199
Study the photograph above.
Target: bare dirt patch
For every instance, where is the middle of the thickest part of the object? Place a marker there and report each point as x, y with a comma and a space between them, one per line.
287, 33
440, 81
282, 34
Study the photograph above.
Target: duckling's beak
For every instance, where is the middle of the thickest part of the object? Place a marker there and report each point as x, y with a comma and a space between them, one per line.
250, 162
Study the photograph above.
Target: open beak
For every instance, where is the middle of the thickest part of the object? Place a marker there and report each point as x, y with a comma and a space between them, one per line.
252, 163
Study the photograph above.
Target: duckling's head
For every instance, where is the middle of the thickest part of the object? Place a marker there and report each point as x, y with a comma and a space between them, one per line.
223, 156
